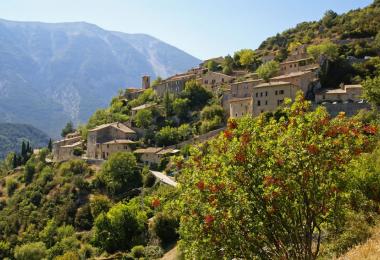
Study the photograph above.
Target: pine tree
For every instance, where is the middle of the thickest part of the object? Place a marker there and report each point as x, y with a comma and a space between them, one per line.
168, 104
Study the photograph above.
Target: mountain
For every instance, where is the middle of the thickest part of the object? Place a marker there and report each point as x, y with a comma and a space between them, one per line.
12, 135
53, 73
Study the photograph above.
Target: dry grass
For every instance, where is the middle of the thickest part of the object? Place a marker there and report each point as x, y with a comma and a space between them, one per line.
370, 250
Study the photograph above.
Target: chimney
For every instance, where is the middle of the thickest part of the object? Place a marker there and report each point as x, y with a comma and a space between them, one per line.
145, 82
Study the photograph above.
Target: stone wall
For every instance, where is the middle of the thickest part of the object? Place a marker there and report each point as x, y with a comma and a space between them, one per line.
349, 108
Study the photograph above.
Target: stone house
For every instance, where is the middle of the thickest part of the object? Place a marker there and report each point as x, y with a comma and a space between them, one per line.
153, 156
268, 57
244, 88
240, 107
268, 96
302, 79
298, 53
288, 67
63, 150
105, 133
213, 80
351, 93
108, 148
174, 85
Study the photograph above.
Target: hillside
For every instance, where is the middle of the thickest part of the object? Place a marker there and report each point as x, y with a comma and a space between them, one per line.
12, 135
356, 24
53, 73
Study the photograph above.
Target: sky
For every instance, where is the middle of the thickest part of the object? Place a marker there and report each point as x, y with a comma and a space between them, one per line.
203, 28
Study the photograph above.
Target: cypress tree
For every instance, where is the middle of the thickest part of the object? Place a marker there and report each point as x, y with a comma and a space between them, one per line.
14, 161
23, 152
50, 145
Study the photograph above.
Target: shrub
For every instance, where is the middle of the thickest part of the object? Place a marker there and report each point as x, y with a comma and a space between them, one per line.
11, 186
149, 180
31, 251
137, 251
164, 226
153, 252
99, 204
267, 188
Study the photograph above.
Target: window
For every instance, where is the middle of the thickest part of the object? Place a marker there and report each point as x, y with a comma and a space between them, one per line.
236, 114
276, 92
258, 103
261, 94
108, 146
266, 93
279, 102
266, 102
324, 97
281, 92
222, 79
291, 66
206, 81
257, 94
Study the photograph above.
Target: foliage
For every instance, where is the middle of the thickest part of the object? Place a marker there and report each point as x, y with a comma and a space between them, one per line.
212, 65
105, 116
31, 251
197, 95
144, 118
247, 58
325, 50
68, 129
11, 186
156, 82
146, 97
268, 70
138, 251
181, 108
266, 188
167, 136
165, 227
119, 229
119, 173
99, 204
153, 252
371, 90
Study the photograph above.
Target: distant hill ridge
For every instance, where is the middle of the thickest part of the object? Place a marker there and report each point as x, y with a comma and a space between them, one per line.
12, 135
53, 73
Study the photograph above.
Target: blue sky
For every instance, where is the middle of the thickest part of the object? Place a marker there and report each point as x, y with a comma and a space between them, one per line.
203, 28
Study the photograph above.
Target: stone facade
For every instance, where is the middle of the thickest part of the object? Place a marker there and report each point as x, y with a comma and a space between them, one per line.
268, 96
302, 79
212, 81
103, 134
244, 88
240, 107
297, 65
63, 150
174, 85
344, 93
108, 148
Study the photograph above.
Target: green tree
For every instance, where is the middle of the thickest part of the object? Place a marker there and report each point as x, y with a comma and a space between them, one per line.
268, 70
328, 19
118, 229
156, 82
326, 51
212, 65
168, 104
120, 174
247, 57
31, 251
165, 227
181, 108
69, 128
99, 204
167, 136
266, 188
197, 94
371, 89
184, 132
50, 145
144, 118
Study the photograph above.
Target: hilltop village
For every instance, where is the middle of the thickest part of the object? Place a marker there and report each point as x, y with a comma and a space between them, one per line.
238, 92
